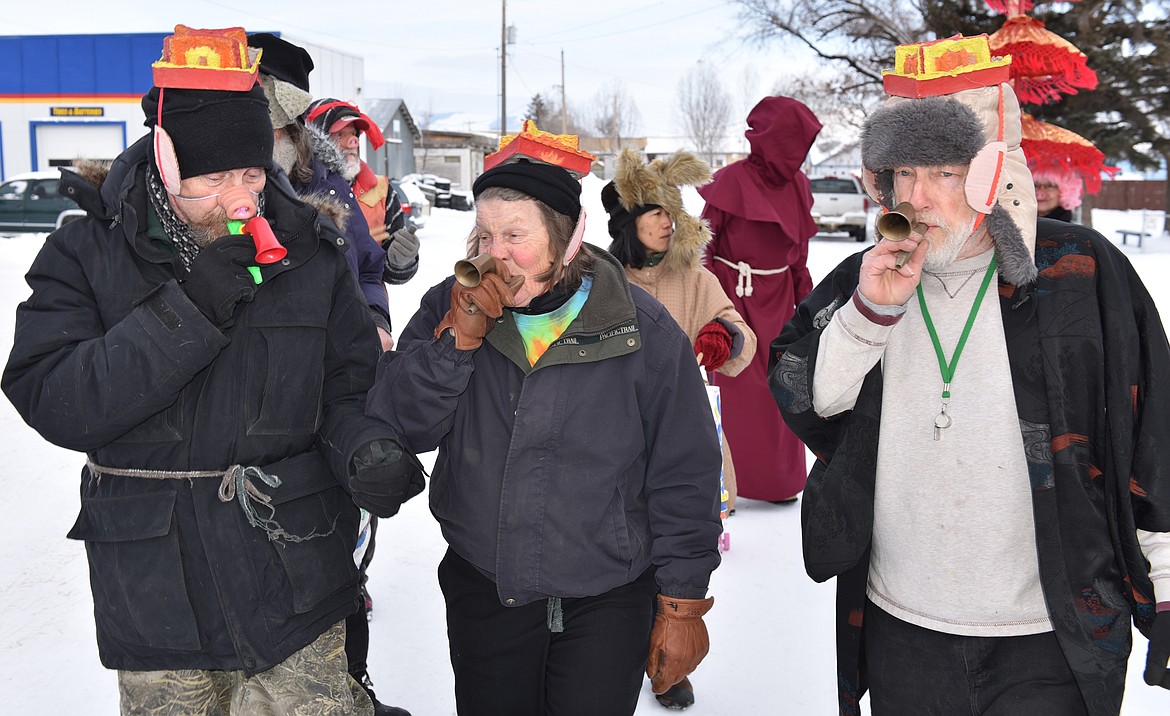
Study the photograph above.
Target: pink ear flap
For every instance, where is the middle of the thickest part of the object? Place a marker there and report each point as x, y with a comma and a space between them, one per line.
164, 152
982, 186
575, 241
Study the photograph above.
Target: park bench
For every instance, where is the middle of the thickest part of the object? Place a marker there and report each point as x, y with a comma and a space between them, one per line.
1152, 222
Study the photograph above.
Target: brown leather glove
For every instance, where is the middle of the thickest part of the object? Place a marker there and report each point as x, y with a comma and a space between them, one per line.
678, 641
474, 311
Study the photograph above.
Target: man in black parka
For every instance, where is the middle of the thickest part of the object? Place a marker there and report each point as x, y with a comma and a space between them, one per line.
220, 404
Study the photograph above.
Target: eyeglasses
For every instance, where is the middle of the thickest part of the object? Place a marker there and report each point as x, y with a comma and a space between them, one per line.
1047, 187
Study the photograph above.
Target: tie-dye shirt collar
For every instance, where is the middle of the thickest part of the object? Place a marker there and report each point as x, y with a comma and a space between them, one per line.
541, 331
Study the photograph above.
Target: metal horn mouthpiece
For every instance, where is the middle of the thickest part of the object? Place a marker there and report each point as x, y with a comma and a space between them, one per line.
470, 272
898, 224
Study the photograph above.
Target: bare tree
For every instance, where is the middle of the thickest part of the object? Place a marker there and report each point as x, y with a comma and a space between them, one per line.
615, 116
705, 109
573, 122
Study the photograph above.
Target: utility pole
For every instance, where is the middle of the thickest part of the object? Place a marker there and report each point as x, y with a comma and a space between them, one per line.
503, 67
564, 111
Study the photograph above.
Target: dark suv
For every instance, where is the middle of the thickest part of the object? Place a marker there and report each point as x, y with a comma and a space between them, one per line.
30, 203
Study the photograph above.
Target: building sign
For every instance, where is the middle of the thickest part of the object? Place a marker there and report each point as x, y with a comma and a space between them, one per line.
77, 111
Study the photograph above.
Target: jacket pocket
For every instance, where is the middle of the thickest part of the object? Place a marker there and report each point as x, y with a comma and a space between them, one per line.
283, 345
323, 521
136, 570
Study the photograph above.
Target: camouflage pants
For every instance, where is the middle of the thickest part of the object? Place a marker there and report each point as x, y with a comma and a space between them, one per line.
312, 682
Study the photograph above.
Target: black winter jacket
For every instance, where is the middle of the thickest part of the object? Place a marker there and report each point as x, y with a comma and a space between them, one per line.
572, 477
1089, 360
111, 358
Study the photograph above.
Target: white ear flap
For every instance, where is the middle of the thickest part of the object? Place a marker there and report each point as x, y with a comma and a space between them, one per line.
869, 184
982, 186
575, 241
168, 163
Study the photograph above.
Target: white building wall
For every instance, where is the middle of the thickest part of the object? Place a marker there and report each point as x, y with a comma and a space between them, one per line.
335, 74
33, 138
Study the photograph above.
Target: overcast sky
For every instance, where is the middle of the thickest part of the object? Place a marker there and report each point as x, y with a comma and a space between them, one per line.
443, 55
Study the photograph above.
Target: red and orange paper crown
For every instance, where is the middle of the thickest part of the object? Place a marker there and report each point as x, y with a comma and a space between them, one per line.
925, 69
531, 143
206, 59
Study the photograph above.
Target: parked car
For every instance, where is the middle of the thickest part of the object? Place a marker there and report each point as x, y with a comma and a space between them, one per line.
414, 202
436, 188
840, 204
29, 203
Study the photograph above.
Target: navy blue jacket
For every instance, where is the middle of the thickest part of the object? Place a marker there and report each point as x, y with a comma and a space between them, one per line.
572, 477
366, 258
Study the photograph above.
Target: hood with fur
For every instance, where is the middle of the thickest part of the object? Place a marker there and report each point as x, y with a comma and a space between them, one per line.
657, 183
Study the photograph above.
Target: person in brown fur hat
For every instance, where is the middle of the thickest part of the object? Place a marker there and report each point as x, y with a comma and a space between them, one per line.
659, 244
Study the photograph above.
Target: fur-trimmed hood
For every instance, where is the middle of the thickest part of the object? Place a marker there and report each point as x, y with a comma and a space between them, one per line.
325, 149
639, 184
962, 128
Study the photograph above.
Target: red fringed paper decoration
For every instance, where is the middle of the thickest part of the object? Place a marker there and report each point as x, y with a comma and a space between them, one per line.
1007, 7
1065, 157
1045, 66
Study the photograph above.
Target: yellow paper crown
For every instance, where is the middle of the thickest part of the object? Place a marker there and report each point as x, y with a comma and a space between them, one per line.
945, 66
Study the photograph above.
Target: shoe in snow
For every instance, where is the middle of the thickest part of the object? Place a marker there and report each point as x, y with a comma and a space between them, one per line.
679, 696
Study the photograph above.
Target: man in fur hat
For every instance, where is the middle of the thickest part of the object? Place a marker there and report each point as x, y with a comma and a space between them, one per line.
220, 402
994, 524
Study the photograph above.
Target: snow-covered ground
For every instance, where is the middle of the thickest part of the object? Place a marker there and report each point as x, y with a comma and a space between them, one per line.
771, 628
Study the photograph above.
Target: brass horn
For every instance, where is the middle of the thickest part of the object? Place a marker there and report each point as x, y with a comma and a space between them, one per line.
470, 272
897, 225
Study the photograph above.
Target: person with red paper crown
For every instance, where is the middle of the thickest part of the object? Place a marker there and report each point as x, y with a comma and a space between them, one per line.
994, 524
216, 382
577, 478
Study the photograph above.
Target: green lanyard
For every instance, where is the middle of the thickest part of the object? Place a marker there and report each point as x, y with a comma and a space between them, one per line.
948, 369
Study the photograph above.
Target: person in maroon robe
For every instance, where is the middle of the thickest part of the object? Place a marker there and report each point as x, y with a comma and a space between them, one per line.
759, 209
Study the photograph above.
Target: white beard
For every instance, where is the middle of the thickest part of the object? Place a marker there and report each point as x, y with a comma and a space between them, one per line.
353, 165
945, 250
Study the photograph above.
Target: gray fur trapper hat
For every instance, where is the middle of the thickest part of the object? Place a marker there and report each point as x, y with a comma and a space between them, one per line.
979, 127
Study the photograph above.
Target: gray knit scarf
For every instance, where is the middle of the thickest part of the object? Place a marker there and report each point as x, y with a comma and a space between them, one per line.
176, 229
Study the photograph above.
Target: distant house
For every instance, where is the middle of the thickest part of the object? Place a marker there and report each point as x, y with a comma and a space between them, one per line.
457, 156
396, 157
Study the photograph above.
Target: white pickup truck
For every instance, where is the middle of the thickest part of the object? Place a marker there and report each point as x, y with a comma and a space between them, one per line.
840, 204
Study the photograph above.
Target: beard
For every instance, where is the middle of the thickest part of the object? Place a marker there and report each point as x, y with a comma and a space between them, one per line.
944, 250
353, 165
284, 153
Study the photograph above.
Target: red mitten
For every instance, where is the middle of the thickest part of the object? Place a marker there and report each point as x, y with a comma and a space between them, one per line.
714, 343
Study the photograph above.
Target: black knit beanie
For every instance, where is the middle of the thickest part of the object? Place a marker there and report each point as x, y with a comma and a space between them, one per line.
619, 215
214, 130
549, 184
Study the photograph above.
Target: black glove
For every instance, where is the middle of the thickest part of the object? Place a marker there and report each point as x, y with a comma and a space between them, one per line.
1156, 672
385, 475
219, 277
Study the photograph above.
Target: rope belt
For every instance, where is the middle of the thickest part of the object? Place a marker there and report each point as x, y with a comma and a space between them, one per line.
235, 484
744, 287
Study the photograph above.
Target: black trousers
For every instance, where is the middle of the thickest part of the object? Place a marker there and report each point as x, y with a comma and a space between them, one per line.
508, 663
921, 672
